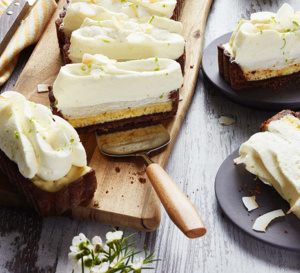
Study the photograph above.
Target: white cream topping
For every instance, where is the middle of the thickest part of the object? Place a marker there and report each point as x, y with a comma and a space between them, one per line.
268, 40
78, 11
274, 156
128, 39
41, 144
98, 84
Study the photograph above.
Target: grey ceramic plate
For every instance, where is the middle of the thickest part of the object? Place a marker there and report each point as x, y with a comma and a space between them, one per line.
284, 97
229, 179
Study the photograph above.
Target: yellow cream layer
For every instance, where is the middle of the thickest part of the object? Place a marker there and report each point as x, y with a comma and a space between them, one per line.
262, 74
53, 186
121, 114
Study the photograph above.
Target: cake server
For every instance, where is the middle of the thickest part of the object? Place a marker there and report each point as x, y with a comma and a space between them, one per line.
11, 19
141, 142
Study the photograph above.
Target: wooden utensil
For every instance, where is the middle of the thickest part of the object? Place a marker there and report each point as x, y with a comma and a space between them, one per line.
11, 19
141, 142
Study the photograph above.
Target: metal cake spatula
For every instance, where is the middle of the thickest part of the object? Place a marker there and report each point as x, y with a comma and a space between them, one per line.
141, 142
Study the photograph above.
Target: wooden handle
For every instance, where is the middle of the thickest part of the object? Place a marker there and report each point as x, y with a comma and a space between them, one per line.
10, 20
180, 209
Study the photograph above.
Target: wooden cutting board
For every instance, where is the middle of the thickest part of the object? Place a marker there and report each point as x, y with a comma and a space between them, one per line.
125, 195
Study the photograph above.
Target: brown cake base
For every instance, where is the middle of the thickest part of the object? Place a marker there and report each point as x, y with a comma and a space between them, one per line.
278, 116
123, 124
234, 75
49, 203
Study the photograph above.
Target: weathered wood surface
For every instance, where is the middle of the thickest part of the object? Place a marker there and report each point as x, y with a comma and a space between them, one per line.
123, 200
31, 244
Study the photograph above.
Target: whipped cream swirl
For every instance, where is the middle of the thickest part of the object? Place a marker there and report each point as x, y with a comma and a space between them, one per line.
41, 144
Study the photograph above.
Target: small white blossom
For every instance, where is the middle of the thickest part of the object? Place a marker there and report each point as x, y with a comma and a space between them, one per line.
113, 236
101, 268
77, 240
97, 242
73, 258
137, 263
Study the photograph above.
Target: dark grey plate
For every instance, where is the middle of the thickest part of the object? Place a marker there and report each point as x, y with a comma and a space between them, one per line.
284, 97
229, 179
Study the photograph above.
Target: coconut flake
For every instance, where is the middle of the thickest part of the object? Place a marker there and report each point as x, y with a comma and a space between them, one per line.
42, 88
239, 160
249, 202
263, 221
226, 120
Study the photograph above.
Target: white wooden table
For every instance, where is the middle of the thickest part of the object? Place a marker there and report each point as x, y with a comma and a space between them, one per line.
29, 243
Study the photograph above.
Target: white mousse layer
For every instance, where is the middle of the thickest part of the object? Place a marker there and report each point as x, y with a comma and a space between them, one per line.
128, 39
99, 85
267, 41
274, 156
41, 144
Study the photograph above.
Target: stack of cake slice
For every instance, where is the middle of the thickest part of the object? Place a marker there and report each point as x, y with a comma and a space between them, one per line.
133, 78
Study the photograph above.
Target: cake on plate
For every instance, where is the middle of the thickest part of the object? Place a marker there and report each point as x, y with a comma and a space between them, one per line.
127, 39
42, 156
107, 95
274, 156
263, 51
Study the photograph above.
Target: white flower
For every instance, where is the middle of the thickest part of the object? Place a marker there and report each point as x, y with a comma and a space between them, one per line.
113, 236
73, 258
97, 242
101, 268
137, 263
117, 261
78, 242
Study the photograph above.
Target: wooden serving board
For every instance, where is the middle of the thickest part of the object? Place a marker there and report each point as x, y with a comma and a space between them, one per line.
125, 195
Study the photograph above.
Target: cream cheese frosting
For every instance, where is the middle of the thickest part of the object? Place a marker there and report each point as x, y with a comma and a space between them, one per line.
100, 84
128, 39
267, 41
274, 156
44, 146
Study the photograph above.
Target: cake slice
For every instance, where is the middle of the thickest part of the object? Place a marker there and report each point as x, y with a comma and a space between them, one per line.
274, 156
127, 39
42, 156
75, 12
263, 51
108, 95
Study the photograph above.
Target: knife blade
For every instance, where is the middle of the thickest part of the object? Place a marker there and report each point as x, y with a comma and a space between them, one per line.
11, 19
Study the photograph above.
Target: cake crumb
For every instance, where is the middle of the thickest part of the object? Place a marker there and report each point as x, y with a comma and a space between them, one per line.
142, 180
117, 169
107, 192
